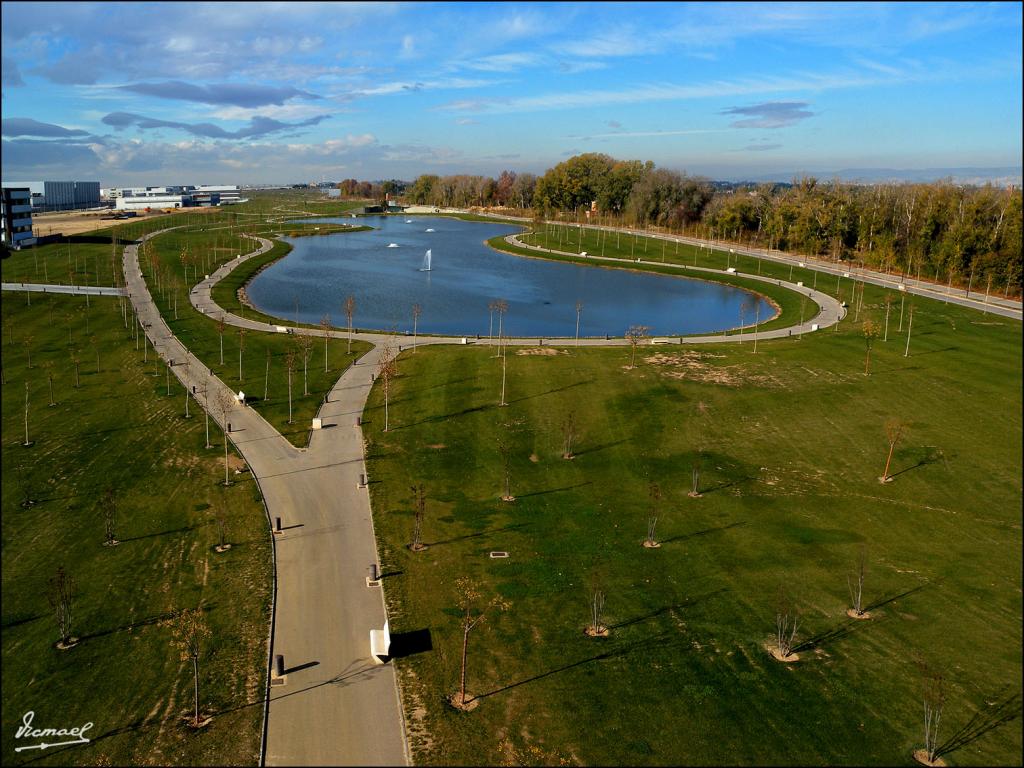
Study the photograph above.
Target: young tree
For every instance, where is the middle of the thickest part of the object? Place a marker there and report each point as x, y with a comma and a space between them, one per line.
221, 512
109, 518
855, 583
786, 622
417, 545
472, 617
206, 409
491, 307
910, 323
506, 464
241, 345
221, 327
325, 326
597, 627
289, 363
76, 359
894, 429
190, 634
698, 461
350, 310
48, 367
225, 402
933, 694
60, 595
417, 310
654, 494
888, 308
185, 379
386, 369
29, 338
501, 307
870, 331
27, 442
635, 335
304, 343
569, 435
266, 378
579, 311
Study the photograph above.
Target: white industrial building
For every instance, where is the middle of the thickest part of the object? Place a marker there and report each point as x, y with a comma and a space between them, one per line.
184, 196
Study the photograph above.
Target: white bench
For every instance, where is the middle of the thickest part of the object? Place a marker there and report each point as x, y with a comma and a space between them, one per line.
380, 643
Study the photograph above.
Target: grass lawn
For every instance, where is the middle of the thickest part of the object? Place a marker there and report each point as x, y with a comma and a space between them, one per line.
120, 430
264, 374
791, 446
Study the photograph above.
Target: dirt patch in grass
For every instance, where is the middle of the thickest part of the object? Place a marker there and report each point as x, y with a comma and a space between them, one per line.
542, 351
692, 366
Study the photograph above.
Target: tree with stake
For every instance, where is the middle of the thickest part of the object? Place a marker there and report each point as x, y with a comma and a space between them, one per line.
386, 369
289, 362
654, 494
241, 346
29, 338
870, 331
60, 595
933, 694
910, 323
597, 627
225, 401
76, 359
506, 465
221, 512
190, 634
702, 416
894, 429
417, 545
888, 308
635, 335
579, 310
109, 518
472, 617
304, 342
786, 622
266, 378
48, 367
855, 583
325, 326
569, 435
350, 310
221, 327
206, 409
417, 310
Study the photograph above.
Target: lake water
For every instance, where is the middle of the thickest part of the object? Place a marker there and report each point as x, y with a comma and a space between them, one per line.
467, 275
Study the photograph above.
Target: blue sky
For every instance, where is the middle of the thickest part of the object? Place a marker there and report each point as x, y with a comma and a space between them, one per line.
151, 93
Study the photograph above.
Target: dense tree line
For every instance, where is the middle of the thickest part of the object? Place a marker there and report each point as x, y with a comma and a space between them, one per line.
940, 231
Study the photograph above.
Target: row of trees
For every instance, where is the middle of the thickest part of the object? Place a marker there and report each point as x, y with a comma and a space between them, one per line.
965, 235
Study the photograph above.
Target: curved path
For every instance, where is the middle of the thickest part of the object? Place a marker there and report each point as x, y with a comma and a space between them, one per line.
336, 707
829, 309
975, 299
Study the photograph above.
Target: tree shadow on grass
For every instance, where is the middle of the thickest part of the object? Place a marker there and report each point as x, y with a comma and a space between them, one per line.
600, 447
988, 718
131, 625
893, 598
184, 529
705, 532
550, 391
689, 602
478, 534
656, 640
930, 455
831, 635
553, 490
445, 417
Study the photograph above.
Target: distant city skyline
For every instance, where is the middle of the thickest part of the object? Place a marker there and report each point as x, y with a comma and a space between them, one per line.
153, 93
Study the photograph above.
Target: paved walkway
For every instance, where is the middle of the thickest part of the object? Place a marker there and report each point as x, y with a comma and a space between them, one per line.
976, 298
78, 290
336, 707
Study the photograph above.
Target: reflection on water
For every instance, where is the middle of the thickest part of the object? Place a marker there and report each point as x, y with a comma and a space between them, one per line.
466, 276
